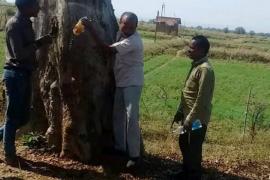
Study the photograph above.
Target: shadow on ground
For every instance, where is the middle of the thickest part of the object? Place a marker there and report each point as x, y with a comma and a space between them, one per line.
113, 167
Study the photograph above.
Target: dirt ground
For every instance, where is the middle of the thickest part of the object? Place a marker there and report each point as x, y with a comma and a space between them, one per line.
39, 164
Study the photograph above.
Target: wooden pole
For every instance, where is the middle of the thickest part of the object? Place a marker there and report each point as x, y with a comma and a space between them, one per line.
247, 108
156, 26
1, 16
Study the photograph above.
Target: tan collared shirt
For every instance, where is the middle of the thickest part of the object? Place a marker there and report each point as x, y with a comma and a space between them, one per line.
198, 92
128, 68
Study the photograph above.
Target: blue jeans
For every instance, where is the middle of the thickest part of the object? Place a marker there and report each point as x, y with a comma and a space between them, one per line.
18, 92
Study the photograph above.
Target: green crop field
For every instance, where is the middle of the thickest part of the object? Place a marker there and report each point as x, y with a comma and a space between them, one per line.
230, 56
164, 76
235, 76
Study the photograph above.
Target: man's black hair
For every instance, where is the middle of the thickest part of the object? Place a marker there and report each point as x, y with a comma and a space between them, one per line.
25, 3
131, 17
202, 42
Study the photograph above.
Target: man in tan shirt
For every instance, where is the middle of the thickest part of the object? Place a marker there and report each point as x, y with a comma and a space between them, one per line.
195, 106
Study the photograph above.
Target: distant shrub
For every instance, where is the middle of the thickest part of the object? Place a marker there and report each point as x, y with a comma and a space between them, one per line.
151, 35
172, 51
164, 47
147, 27
240, 54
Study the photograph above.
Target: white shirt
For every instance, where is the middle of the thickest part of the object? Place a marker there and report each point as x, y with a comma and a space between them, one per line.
128, 68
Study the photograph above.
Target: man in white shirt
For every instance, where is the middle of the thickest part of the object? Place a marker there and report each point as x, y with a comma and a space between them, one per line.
129, 77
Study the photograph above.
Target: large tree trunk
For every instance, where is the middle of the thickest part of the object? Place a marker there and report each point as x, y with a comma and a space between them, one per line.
73, 91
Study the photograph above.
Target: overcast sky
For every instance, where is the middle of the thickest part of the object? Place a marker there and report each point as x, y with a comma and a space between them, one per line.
250, 14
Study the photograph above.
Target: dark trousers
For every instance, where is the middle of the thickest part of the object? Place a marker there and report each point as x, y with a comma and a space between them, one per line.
18, 92
191, 148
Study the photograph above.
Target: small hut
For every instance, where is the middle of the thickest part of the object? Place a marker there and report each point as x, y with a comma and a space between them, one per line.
168, 25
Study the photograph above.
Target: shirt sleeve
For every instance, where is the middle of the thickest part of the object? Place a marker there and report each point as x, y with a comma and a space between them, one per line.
19, 50
204, 97
123, 47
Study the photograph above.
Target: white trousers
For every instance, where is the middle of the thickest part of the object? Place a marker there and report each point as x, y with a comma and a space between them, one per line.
126, 120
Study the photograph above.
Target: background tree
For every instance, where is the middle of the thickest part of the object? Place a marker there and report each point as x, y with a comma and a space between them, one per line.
151, 21
73, 89
199, 27
240, 30
226, 30
252, 33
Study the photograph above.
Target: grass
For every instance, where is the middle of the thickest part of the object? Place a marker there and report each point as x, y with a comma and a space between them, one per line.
164, 77
223, 143
162, 47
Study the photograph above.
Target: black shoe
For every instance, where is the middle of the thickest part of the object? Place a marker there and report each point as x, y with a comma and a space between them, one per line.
1, 137
114, 152
181, 175
11, 161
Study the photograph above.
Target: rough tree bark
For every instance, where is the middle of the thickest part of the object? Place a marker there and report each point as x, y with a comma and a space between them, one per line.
73, 91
